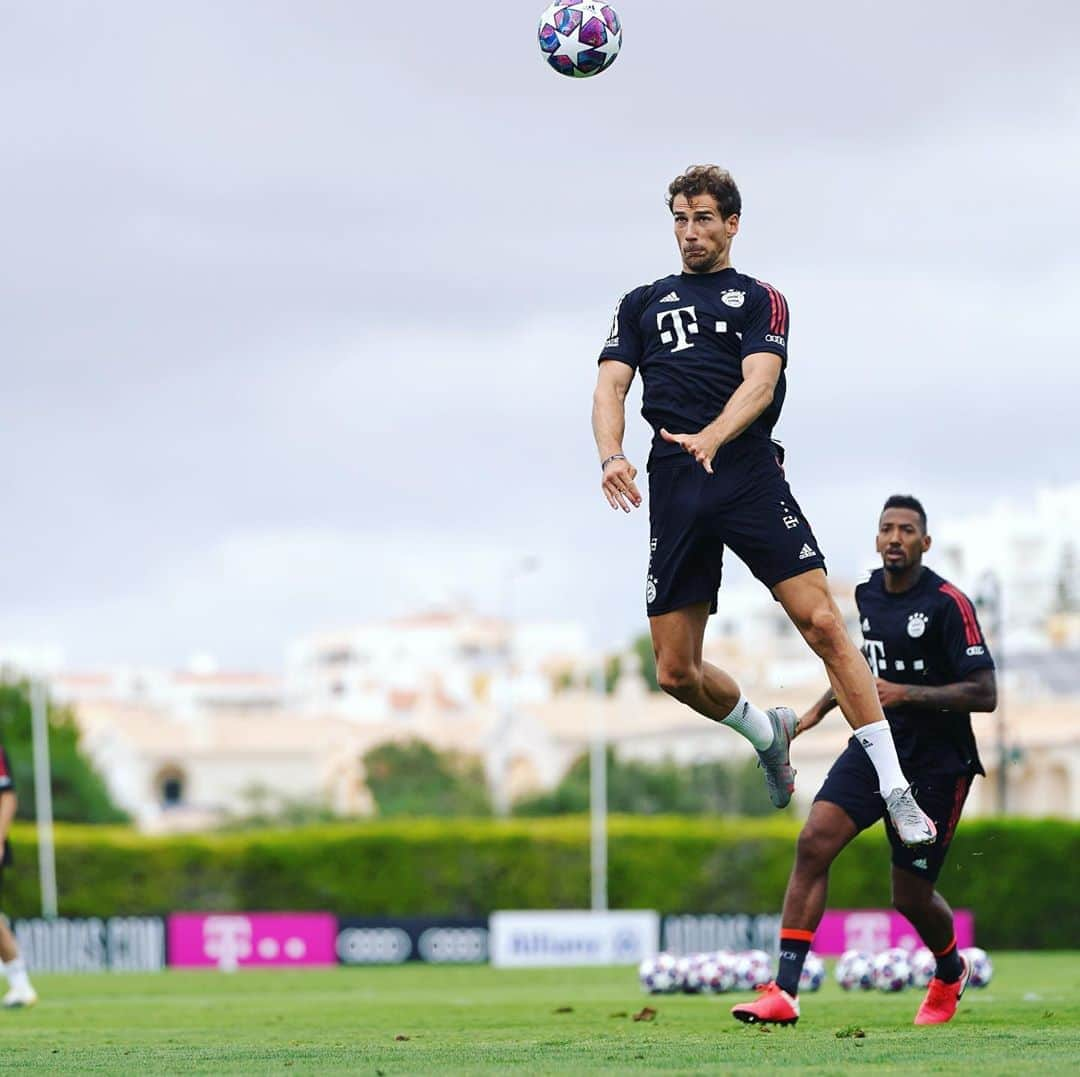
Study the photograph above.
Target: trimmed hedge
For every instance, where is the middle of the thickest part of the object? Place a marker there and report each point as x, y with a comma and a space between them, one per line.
1021, 877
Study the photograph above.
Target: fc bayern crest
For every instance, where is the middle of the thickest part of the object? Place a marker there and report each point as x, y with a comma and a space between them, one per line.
916, 625
733, 298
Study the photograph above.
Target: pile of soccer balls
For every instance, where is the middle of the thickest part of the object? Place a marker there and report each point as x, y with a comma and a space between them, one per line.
722, 971
896, 969
718, 972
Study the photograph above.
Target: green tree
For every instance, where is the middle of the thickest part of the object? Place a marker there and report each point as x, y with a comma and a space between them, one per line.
412, 778
658, 788
643, 646
78, 791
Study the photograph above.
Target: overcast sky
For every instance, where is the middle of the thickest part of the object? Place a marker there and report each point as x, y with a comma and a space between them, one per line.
300, 303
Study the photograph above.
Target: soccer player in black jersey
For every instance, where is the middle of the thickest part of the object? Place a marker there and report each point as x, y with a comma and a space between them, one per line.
711, 345
21, 991
924, 645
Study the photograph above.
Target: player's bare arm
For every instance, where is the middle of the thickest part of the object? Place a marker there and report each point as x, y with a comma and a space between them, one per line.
761, 372
978, 692
816, 712
609, 425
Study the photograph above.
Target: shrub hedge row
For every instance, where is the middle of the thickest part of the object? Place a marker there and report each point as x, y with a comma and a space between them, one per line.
1021, 877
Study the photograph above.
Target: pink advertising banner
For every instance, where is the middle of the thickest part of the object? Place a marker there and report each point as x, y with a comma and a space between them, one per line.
251, 940
874, 930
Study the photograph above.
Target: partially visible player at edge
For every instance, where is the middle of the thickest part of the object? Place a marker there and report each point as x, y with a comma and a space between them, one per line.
711, 345
924, 644
21, 991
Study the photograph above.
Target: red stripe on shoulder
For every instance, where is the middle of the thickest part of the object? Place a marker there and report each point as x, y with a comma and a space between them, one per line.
967, 612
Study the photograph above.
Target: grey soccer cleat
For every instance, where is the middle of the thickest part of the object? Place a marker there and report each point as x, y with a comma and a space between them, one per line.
910, 822
776, 759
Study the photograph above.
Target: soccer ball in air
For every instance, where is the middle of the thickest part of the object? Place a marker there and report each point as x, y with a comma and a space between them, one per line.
982, 968
855, 971
813, 973
580, 39
657, 974
892, 970
923, 967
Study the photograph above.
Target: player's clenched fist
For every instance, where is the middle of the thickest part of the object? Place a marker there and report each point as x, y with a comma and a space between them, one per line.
618, 484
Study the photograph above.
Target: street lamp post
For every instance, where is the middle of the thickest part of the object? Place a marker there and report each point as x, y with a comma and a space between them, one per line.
989, 598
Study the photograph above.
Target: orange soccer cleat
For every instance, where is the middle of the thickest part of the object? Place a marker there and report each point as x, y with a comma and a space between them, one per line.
773, 1006
942, 998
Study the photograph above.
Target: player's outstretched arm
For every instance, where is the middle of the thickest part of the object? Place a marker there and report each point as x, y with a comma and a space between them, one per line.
815, 713
609, 425
761, 372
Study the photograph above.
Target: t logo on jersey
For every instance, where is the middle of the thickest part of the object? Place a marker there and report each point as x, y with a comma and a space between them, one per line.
874, 649
681, 331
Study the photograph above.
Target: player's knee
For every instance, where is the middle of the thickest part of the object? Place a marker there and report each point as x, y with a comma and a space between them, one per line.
678, 678
823, 629
813, 850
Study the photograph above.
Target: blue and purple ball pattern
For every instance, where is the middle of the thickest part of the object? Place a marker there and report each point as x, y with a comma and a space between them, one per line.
580, 39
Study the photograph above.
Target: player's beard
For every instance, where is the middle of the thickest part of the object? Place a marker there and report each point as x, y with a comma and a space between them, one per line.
897, 567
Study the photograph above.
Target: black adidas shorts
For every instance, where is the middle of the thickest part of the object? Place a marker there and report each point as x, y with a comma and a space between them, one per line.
693, 515
852, 784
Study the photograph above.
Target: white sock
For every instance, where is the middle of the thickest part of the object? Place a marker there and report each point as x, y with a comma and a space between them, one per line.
751, 723
15, 970
877, 739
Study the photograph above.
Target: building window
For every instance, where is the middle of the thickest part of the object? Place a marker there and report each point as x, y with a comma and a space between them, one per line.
171, 788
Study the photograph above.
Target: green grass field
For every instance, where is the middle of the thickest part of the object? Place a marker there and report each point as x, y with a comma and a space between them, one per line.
421, 1019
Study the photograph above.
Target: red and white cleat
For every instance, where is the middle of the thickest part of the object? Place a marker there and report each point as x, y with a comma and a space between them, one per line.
772, 1006
942, 998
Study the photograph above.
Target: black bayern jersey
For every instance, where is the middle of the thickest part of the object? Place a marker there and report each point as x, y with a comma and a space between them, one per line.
928, 635
688, 335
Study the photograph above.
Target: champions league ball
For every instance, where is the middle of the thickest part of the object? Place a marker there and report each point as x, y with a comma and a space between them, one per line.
813, 973
892, 971
982, 968
855, 971
580, 39
686, 974
657, 974
923, 967
752, 969
718, 972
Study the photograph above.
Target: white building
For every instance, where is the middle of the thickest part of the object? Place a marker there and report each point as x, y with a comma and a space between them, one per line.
1032, 546
454, 659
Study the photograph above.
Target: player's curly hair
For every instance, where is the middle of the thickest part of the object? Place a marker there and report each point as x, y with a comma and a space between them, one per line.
708, 179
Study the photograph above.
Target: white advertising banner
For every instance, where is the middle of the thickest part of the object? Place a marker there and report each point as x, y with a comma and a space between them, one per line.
533, 939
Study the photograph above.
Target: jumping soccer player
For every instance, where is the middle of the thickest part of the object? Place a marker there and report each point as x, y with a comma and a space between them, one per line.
711, 345
923, 642
22, 992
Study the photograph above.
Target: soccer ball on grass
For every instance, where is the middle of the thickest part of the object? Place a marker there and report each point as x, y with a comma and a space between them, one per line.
892, 970
813, 973
982, 968
658, 974
855, 971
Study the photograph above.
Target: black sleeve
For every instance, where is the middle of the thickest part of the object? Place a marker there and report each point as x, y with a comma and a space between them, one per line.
624, 340
766, 326
962, 637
